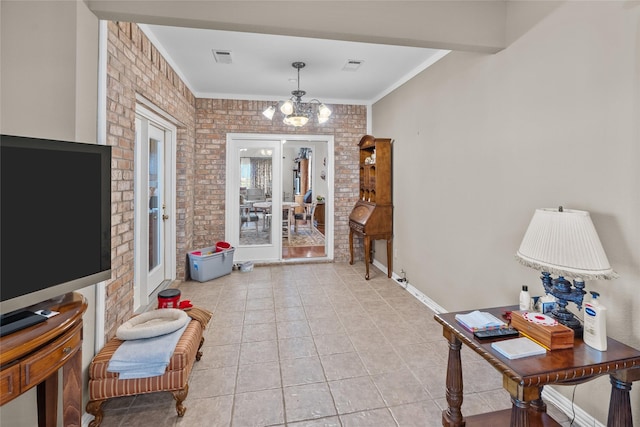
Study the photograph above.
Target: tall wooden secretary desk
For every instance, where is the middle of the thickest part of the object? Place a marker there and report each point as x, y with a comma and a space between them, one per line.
372, 215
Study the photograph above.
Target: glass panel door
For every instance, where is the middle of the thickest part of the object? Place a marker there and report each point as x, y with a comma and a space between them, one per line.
254, 199
279, 196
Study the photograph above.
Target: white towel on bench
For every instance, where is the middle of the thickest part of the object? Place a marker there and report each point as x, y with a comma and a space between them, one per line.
145, 357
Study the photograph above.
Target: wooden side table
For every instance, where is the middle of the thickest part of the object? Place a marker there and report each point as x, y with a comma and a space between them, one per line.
31, 358
524, 378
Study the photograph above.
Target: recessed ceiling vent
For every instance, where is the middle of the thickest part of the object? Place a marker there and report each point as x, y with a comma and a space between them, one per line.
352, 65
222, 56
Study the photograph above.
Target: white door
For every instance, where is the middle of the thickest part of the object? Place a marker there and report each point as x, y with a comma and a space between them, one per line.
261, 165
253, 214
154, 205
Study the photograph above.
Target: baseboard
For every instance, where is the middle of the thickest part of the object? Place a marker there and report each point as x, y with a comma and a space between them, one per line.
582, 418
564, 404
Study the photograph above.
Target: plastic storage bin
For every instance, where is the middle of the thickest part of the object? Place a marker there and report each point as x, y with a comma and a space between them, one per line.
207, 264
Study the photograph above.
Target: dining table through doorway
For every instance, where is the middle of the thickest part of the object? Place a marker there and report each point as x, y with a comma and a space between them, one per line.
287, 215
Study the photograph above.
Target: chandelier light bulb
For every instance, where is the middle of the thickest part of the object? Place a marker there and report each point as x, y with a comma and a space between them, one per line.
287, 108
323, 112
269, 112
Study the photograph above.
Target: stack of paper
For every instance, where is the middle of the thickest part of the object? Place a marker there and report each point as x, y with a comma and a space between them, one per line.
479, 321
518, 347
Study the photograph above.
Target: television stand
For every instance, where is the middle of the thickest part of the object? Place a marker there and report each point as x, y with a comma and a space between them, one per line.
18, 320
32, 357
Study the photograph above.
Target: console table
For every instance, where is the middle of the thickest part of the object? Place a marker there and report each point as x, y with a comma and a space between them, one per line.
524, 378
32, 357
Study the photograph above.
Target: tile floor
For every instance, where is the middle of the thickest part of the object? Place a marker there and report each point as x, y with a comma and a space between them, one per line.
312, 345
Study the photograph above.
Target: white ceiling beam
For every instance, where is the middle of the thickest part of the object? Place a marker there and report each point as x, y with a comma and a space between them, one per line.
468, 25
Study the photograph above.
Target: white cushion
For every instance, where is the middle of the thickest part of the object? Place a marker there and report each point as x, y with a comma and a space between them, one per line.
152, 324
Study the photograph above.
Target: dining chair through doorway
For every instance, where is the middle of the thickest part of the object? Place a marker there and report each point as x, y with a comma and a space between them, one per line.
306, 215
248, 216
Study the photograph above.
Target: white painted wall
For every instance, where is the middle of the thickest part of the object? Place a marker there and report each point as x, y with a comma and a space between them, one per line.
482, 140
48, 81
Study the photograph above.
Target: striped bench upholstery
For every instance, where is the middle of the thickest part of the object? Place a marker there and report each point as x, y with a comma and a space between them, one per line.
104, 385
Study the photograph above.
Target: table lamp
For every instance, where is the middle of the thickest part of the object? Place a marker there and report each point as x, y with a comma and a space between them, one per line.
565, 243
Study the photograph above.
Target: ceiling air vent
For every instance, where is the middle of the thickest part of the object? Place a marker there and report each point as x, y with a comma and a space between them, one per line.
222, 56
352, 65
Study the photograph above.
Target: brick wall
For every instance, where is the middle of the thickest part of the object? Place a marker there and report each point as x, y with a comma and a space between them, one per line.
216, 117
135, 67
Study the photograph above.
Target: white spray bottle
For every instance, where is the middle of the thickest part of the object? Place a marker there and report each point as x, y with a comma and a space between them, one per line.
595, 323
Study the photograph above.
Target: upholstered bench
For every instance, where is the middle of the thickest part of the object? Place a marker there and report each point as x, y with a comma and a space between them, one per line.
104, 385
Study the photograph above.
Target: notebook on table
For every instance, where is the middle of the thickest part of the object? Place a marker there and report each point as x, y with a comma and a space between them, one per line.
517, 348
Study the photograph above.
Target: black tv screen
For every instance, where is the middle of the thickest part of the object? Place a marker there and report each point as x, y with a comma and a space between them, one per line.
55, 218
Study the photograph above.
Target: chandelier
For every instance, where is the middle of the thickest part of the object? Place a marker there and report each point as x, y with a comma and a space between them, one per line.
297, 113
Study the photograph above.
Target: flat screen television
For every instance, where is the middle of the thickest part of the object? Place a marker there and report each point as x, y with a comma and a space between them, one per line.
55, 219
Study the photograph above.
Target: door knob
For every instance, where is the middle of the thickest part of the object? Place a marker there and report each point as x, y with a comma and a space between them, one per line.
165, 217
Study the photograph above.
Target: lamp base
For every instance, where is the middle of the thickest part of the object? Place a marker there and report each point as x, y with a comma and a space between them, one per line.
569, 321
562, 290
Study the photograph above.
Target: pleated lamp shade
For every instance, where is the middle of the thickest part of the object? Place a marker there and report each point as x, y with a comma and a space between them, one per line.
565, 243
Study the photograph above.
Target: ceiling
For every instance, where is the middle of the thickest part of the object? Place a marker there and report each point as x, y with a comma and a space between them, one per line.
261, 69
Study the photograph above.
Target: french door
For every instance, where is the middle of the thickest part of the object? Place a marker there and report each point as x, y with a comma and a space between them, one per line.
254, 204
154, 204
262, 197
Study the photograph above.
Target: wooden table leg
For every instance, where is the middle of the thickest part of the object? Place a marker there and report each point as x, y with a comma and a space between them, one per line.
367, 255
452, 416
619, 404
538, 404
47, 398
71, 391
351, 246
519, 413
389, 258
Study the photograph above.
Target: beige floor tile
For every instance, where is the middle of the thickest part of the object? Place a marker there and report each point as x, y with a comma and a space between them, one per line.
221, 319
289, 299
260, 304
379, 362
418, 414
218, 356
400, 387
293, 329
213, 382
258, 352
293, 348
333, 344
258, 408
342, 365
259, 332
157, 416
258, 376
306, 402
265, 291
289, 314
300, 371
374, 418
212, 412
369, 340
259, 316
355, 394
223, 335
321, 422
326, 326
